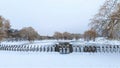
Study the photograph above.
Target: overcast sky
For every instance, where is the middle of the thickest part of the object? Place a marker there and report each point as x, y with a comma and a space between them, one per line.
49, 16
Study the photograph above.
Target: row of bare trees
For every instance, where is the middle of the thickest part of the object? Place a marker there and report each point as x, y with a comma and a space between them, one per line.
67, 36
107, 23
28, 33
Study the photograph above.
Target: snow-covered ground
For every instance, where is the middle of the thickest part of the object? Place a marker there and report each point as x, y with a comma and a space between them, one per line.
14, 59
56, 60
99, 41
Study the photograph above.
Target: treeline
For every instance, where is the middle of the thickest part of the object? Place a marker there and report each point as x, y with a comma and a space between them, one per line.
67, 36
29, 33
62, 36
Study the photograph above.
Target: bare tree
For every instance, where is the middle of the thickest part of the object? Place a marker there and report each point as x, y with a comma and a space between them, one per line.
7, 24
4, 27
28, 33
76, 36
58, 35
89, 35
106, 20
67, 36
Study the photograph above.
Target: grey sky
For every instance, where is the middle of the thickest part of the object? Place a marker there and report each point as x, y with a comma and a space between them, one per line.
48, 16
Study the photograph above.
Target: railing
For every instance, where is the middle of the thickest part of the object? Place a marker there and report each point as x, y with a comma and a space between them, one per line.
62, 50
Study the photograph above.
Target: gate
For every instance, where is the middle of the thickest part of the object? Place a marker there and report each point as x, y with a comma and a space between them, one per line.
64, 48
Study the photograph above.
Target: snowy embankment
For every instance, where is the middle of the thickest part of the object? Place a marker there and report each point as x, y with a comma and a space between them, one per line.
105, 41
37, 42
99, 41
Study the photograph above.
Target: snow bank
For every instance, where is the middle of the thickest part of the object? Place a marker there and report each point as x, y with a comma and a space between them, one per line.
14, 42
99, 41
102, 40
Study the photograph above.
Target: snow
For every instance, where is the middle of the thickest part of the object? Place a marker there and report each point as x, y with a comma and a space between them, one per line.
56, 60
99, 41
14, 42
17, 59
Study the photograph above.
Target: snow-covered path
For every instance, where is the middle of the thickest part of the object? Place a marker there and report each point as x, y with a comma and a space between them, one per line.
56, 60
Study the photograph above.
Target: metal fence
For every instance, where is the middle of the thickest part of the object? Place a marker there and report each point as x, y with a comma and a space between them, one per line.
62, 49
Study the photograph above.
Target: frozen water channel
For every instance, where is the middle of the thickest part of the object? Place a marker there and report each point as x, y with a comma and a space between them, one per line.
9, 59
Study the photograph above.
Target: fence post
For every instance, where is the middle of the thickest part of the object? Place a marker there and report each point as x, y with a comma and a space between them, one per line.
40, 48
